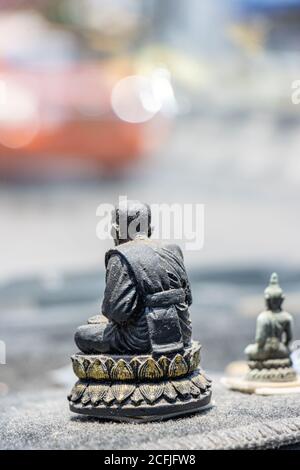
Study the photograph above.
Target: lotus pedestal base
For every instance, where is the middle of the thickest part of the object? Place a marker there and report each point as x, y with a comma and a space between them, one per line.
261, 388
269, 377
139, 388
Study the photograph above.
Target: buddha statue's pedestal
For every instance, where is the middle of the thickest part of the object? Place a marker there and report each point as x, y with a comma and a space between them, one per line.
271, 370
270, 377
139, 387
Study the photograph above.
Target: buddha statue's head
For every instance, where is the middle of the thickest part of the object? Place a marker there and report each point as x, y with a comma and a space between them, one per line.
131, 220
274, 294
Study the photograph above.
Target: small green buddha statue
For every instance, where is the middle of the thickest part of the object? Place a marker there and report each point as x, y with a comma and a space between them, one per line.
269, 357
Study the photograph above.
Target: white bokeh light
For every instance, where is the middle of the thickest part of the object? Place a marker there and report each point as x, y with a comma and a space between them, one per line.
19, 118
138, 98
18, 105
163, 91
133, 99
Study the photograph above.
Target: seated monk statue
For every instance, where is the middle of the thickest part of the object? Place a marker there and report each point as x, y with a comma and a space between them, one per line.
137, 361
147, 292
273, 329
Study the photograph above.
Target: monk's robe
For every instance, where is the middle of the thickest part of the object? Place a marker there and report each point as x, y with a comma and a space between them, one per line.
146, 301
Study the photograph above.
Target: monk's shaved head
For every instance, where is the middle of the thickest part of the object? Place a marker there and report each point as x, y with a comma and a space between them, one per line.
131, 219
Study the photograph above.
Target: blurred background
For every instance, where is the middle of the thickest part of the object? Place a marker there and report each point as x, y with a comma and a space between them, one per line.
173, 101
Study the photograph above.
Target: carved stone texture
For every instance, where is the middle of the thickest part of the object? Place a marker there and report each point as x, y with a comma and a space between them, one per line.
148, 399
268, 374
155, 388
136, 368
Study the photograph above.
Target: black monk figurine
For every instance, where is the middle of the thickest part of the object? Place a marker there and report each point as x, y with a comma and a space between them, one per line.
137, 359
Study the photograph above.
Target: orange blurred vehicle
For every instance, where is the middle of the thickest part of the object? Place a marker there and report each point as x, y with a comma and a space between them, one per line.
61, 120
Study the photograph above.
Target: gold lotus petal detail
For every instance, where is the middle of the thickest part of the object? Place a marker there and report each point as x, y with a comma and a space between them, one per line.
122, 371
194, 390
137, 397
97, 370
110, 363
200, 381
77, 391
195, 359
183, 387
86, 362
97, 392
122, 391
152, 391
78, 367
208, 379
150, 370
109, 396
86, 398
178, 366
188, 357
169, 391
164, 363
135, 365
